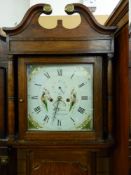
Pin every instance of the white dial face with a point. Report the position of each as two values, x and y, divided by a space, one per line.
60 97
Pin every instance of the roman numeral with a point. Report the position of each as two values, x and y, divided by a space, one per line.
46 119
34 97
72 76
81 110
81 85
73 120
37 109
59 72
38 84
58 123
84 97
47 75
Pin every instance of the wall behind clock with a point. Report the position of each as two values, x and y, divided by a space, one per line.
12 11
102 7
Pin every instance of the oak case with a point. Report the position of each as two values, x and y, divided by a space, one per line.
52 152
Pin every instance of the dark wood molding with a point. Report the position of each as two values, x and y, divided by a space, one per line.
36 10
21 38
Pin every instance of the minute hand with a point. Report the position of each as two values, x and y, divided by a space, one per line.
56 109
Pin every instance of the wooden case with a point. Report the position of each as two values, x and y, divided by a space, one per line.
29 43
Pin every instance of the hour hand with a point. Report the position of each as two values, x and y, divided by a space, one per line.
56 109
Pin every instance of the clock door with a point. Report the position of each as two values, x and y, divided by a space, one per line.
61 97
56 162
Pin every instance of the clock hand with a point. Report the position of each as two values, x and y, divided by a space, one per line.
61 90
57 105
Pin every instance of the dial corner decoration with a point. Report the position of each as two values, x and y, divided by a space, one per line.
60 97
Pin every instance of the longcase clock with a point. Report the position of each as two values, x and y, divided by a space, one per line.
60 81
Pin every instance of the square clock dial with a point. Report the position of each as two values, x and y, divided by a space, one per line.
60 97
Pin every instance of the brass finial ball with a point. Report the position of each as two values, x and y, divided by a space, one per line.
47 8
69 8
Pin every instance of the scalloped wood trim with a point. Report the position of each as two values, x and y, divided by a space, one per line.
84 11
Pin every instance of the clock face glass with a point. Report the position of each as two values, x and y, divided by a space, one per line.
60 97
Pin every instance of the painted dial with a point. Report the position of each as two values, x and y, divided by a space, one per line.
60 97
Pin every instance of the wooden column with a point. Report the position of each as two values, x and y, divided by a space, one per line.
11 98
110 96
120 160
120 18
